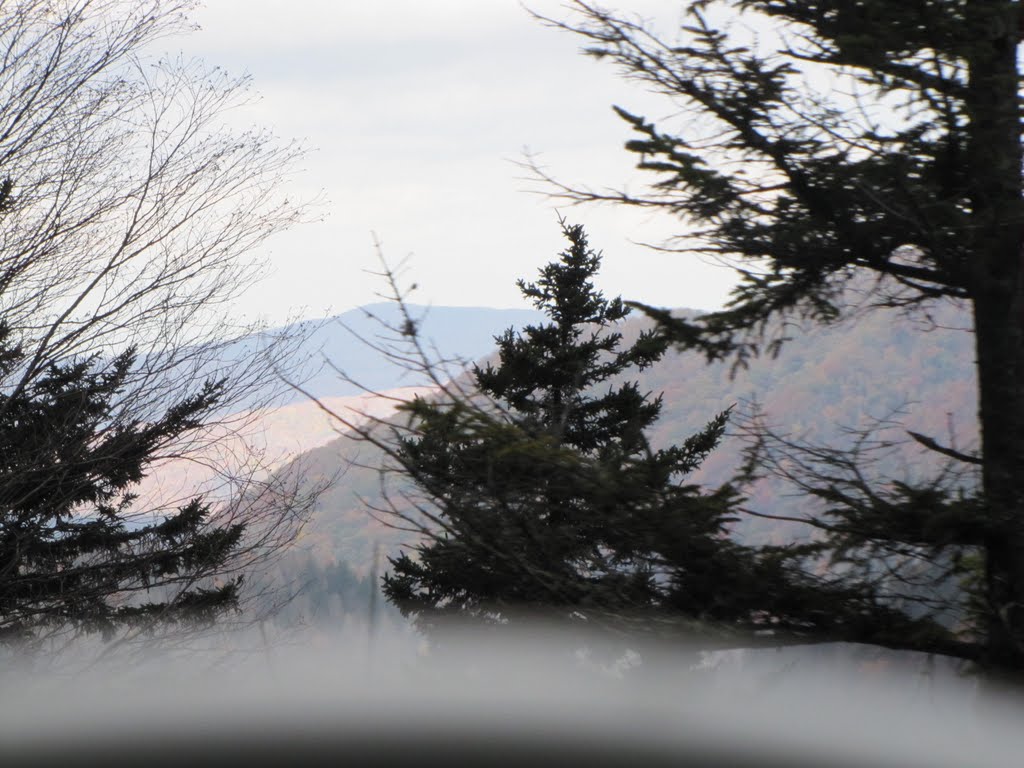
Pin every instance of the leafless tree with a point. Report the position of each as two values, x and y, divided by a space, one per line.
132 214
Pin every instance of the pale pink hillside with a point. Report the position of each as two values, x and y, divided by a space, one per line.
253 445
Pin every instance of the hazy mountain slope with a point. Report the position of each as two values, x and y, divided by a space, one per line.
258 442
454 332
825 380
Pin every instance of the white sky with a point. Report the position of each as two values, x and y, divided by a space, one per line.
417 112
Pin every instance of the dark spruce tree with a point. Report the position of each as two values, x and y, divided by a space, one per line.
71 557
75 555
539 493
909 174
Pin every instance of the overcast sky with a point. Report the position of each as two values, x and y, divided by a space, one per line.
417 114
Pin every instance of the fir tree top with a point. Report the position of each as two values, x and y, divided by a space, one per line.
545 373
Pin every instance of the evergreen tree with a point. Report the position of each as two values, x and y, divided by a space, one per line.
74 554
130 213
546 497
908 170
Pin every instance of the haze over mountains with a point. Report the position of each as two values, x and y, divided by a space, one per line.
317 351
450 332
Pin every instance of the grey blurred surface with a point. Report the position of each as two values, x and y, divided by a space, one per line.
533 700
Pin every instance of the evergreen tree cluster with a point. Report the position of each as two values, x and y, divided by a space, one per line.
903 179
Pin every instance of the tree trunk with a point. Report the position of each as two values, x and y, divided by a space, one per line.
1000 362
997 291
